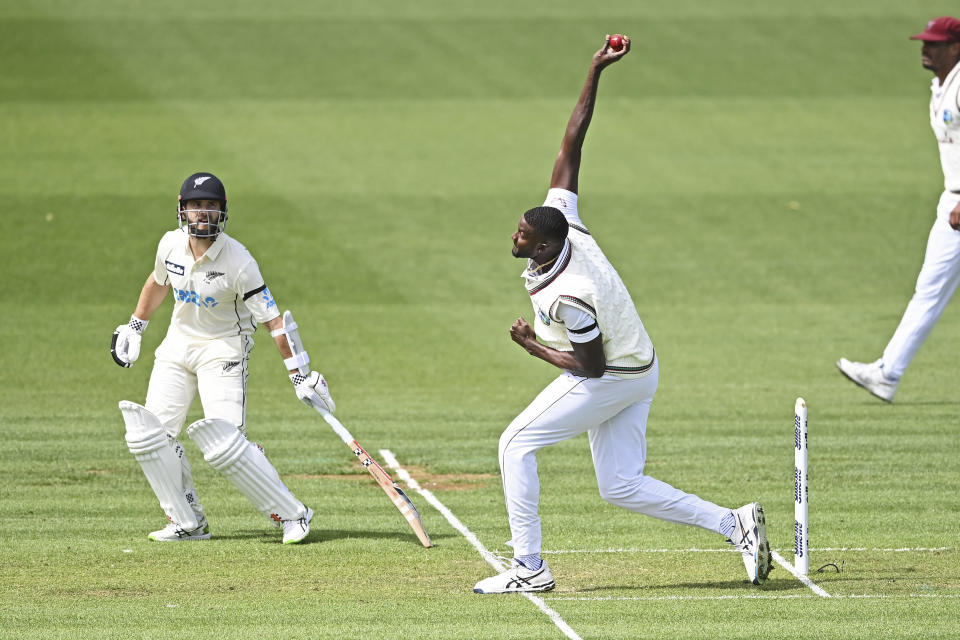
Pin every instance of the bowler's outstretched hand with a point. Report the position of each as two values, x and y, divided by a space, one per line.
608 55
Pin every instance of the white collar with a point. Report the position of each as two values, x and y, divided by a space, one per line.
532 278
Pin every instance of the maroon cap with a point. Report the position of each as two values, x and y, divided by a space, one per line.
945 29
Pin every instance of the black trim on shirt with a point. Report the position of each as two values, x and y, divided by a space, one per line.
254 292
236 312
584 330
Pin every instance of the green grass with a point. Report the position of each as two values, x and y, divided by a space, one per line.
761 173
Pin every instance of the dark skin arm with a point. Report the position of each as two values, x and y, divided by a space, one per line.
566 169
586 359
955 218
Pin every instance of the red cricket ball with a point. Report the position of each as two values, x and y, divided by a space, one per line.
616 42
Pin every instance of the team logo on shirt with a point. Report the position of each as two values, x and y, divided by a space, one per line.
210 276
544 318
947 116
173 267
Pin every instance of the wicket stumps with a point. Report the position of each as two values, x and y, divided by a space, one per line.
801 508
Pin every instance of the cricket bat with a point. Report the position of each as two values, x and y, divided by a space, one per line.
394 492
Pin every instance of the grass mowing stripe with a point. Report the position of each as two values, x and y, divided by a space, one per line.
802 578
493 560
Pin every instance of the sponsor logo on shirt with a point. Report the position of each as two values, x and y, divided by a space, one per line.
192 297
173 267
227 366
947 116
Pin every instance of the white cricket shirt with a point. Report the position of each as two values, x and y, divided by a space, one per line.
220 294
582 279
945 121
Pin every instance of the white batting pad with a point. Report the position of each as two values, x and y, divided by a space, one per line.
150 446
245 465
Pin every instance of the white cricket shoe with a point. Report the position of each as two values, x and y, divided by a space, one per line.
295 531
870 376
750 539
518 579
175 533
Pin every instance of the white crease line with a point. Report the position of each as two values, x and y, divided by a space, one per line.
732 550
659 598
868 596
491 559
890 550
799 576
635 550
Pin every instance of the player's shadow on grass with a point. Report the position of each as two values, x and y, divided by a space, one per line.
726 585
326 535
919 403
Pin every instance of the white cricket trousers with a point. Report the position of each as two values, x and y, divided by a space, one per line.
184 366
613 411
936 283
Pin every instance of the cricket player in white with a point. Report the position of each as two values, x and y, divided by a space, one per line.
940 272
587 325
219 300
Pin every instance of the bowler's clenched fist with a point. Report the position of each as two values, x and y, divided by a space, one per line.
522 332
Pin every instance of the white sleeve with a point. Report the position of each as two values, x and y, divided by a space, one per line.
256 295
566 202
160 264
581 326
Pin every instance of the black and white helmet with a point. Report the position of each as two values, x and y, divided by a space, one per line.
203 186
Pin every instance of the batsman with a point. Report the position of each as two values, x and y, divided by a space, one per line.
586 325
220 298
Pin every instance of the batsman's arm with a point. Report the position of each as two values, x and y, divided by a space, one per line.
566 168
311 387
587 358
151 297
280 340
125 343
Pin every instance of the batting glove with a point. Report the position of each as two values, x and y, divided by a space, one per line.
125 347
313 390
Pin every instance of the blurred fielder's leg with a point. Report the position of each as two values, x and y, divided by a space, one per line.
936 284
